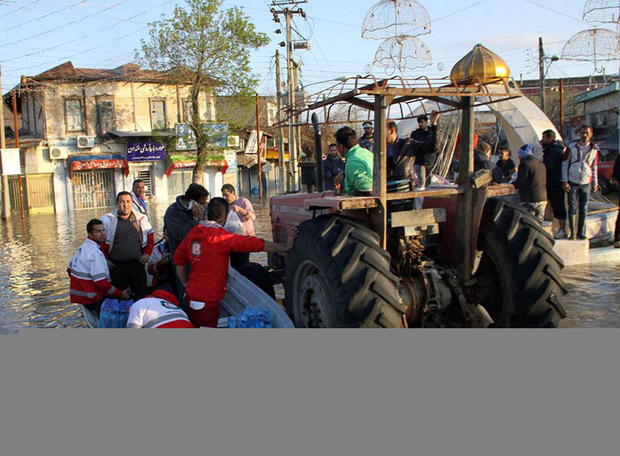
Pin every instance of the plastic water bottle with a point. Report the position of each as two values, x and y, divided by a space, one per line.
123 312
251 317
108 317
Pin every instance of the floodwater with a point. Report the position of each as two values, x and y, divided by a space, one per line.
35 252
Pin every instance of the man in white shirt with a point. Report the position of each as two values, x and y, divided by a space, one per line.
159 310
579 175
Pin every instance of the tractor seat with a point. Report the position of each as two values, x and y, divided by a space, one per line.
399 186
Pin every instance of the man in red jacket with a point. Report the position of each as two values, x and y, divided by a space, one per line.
89 273
207 248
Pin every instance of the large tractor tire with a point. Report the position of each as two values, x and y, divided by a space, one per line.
338 276
518 274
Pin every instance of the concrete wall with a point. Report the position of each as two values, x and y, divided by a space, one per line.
36 161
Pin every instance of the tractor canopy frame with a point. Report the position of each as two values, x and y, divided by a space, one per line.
395 99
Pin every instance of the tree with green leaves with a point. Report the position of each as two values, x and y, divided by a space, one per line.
208 48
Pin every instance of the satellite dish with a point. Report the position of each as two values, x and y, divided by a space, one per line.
368 69
440 66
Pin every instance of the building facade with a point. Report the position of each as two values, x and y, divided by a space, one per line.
89 133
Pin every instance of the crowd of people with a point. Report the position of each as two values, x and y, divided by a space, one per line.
202 237
189 266
563 178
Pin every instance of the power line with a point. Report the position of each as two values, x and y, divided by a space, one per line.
557 12
459 11
79 38
47 15
19 9
84 51
67 24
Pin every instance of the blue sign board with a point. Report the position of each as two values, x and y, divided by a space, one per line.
145 151
217 135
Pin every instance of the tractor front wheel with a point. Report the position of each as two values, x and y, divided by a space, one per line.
518 277
337 275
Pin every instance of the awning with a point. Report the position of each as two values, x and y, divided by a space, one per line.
176 161
108 161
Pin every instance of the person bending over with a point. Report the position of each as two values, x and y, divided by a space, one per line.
207 249
159 310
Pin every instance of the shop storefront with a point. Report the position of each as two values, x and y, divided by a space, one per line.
93 179
180 167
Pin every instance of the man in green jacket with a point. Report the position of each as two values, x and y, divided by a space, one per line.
358 165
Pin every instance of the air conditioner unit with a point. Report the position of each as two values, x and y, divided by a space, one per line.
58 153
84 142
233 141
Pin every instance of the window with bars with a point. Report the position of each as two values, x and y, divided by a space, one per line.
74 114
145 176
105 115
187 110
158 115
93 189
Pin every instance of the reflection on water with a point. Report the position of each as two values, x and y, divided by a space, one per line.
35 252
594 298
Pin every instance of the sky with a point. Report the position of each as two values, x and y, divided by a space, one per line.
36 35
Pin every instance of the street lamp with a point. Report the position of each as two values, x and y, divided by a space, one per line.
543 73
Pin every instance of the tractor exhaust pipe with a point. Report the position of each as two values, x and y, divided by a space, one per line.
318 153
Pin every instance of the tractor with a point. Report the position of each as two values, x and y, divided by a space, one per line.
471 257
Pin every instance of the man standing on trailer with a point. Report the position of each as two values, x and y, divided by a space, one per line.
579 175
426 159
367 139
553 151
531 182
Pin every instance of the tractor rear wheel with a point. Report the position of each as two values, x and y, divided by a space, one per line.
519 274
337 275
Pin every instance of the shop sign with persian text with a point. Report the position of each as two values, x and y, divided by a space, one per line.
145 151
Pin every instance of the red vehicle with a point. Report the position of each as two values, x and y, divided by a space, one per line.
469 258
606 181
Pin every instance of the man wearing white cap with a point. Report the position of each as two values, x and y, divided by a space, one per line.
532 182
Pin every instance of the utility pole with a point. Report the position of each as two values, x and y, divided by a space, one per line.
292 145
285 8
541 67
19 176
258 144
562 107
6 209
280 135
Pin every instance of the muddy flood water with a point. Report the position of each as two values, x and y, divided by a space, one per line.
35 252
